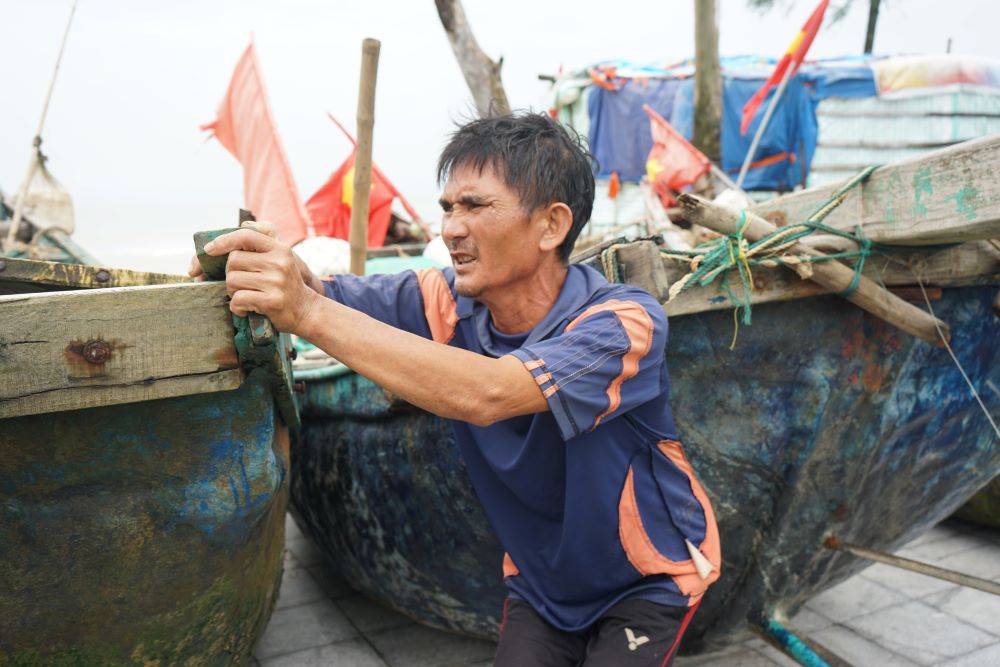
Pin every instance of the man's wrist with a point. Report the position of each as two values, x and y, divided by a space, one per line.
308 322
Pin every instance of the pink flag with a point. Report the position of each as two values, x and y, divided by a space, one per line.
245 127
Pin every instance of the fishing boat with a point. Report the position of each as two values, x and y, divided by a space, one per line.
143 482
817 421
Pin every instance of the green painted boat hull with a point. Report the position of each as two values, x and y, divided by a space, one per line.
148 533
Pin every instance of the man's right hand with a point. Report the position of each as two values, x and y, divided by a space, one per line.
267 229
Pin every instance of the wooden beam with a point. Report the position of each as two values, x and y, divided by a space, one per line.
947 196
19 276
641 265
976 263
72 350
833 275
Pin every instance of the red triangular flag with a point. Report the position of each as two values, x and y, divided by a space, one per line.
793 57
330 206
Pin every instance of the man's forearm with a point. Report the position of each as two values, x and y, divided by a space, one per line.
447 381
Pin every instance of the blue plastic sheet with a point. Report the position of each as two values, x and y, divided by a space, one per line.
619 129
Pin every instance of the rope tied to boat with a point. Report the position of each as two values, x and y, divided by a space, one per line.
717 258
612 267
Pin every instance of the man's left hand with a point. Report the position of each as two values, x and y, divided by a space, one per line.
264 276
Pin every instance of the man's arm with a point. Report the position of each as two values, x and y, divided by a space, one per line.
265 277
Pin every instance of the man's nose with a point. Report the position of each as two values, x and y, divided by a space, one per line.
453 228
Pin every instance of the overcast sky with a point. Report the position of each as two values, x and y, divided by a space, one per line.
139 76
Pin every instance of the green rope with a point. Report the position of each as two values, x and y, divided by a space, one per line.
732 251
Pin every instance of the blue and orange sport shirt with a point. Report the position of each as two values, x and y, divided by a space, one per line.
594 501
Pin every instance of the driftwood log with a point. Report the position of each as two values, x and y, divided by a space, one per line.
481 73
830 274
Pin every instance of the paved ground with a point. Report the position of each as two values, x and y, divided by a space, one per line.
883 617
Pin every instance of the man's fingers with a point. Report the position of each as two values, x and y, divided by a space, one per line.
195 270
240 260
243 239
245 280
262 226
245 301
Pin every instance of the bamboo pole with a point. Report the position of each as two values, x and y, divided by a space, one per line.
959 578
829 273
363 156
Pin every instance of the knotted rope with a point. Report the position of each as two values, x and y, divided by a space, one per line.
717 258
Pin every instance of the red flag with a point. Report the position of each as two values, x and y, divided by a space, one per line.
793 57
330 207
245 127
673 162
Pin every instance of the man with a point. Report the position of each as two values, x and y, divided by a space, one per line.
556 386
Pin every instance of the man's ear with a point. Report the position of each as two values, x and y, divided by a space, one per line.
558 219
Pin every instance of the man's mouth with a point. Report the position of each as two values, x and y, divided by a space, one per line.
461 259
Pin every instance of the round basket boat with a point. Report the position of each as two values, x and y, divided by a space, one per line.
146 533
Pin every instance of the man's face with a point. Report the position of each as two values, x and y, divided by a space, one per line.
493 241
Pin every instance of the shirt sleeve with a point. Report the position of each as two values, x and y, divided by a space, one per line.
606 362
420 302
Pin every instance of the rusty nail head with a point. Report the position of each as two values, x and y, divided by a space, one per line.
103 276
3 264
759 283
299 387
96 351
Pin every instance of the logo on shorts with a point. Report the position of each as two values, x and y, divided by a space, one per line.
633 641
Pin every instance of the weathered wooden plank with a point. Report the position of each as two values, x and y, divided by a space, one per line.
642 265
71 350
946 196
973 263
21 276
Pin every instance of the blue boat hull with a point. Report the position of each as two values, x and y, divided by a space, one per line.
145 533
823 420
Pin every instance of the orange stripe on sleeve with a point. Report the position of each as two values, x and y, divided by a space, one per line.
639 328
543 378
439 304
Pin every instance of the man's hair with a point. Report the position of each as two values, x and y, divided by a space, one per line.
534 156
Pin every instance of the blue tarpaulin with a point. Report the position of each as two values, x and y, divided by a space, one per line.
619 129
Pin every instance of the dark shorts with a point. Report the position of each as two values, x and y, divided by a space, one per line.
633 633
